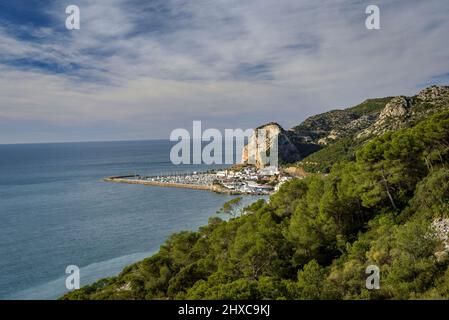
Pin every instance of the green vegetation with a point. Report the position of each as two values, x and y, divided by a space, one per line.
316 236
370 106
343 149
323 160
232 208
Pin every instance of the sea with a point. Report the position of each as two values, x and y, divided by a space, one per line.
55 211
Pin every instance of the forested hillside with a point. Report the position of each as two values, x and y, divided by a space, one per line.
370 119
383 203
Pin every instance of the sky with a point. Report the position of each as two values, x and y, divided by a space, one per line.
140 69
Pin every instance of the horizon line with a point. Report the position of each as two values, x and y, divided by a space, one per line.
95 141
81 141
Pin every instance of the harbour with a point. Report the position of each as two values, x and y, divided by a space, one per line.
240 180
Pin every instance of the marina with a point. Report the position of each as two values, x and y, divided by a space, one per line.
240 181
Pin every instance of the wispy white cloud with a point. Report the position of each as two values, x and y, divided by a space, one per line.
153 66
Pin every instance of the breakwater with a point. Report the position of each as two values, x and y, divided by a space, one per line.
245 181
132 180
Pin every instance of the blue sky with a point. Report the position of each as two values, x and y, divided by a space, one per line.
139 69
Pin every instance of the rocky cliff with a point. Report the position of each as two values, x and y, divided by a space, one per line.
371 118
291 147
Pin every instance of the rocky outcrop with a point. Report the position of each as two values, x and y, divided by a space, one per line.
393 117
264 139
270 137
433 93
403 111
297 172
397 107
440 227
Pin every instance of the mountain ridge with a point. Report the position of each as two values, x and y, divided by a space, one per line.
369 119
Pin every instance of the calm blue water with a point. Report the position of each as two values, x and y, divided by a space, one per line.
55 211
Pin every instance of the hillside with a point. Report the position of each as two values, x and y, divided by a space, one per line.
388 114
323 139
384 202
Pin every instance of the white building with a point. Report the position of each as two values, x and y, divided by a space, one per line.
269 171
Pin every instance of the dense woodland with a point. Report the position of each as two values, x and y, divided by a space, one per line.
315 237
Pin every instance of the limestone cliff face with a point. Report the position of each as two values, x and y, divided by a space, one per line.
369 119
260 143
271 137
